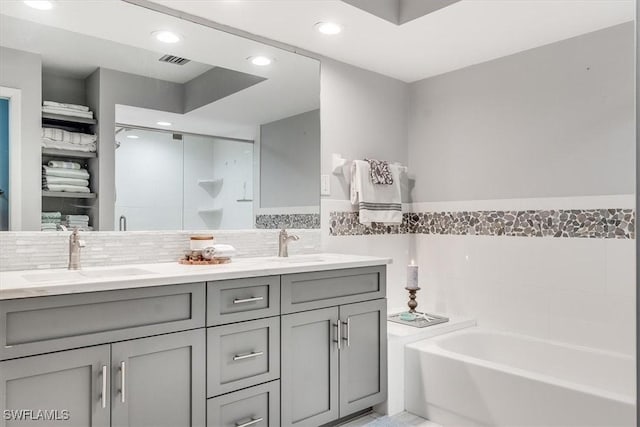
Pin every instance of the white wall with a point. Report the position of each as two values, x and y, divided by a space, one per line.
536 126
574 290
363 114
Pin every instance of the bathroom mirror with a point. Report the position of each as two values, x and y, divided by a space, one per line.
166 124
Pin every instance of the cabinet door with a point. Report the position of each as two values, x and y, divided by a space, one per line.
71 387
363 355
159 381
309 371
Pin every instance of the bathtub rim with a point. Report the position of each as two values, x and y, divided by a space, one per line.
431 345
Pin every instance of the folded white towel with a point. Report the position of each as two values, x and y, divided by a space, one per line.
65 173
61 145
224 251
76 217
64 181
376 203
55 134
51 215
64 165
68 112
66 188
63 105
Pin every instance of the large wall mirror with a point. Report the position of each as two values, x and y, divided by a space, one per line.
123 126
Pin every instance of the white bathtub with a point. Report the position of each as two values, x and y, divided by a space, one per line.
481 377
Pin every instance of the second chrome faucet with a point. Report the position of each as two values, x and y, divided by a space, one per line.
283 242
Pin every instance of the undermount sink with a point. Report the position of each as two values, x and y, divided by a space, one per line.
83 274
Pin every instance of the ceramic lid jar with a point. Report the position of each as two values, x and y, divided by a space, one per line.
197 243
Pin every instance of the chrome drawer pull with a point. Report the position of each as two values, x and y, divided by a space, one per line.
104 386
242 301
338 339
248 356
347 338
123 378
250 423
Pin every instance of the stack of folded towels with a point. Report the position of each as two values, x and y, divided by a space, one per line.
80 222
73 110
65 176
50 221
64 140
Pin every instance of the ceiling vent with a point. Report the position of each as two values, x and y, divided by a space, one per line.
171 59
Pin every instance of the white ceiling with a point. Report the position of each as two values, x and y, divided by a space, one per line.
292 85
77 55
465 33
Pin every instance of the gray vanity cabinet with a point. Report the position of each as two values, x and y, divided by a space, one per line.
76 381
334 359
363 355
309 376
159 381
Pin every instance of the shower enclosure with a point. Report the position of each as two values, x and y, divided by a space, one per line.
181 181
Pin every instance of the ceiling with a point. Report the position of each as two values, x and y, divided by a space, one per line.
462 34
119 37
77 55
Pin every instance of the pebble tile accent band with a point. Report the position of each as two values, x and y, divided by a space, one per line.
575 223
300 221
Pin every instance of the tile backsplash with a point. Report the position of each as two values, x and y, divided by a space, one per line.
40 250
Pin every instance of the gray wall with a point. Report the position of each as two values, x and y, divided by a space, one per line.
105 89
60 88
289 161
22 70
363 114
552 121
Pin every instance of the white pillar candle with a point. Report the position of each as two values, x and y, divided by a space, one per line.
412 276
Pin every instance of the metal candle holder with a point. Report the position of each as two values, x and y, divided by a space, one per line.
412 299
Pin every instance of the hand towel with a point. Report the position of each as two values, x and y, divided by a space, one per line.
376 203
64 165
380 172
66 188
65 173
65 181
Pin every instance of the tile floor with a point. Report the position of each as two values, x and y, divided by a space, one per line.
403 419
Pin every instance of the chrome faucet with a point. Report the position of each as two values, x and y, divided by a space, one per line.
283 242
75 243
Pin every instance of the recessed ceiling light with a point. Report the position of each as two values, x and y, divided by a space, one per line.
133 136
40 4
328 28
163 123
166 36
260 60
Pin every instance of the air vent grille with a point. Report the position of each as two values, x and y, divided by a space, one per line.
171 59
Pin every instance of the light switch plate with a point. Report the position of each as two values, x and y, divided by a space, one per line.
325 185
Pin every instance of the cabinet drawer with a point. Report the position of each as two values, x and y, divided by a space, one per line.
309 291
257 406
231 301
45 324
242 355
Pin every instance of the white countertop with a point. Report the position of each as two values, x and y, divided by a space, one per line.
14 284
